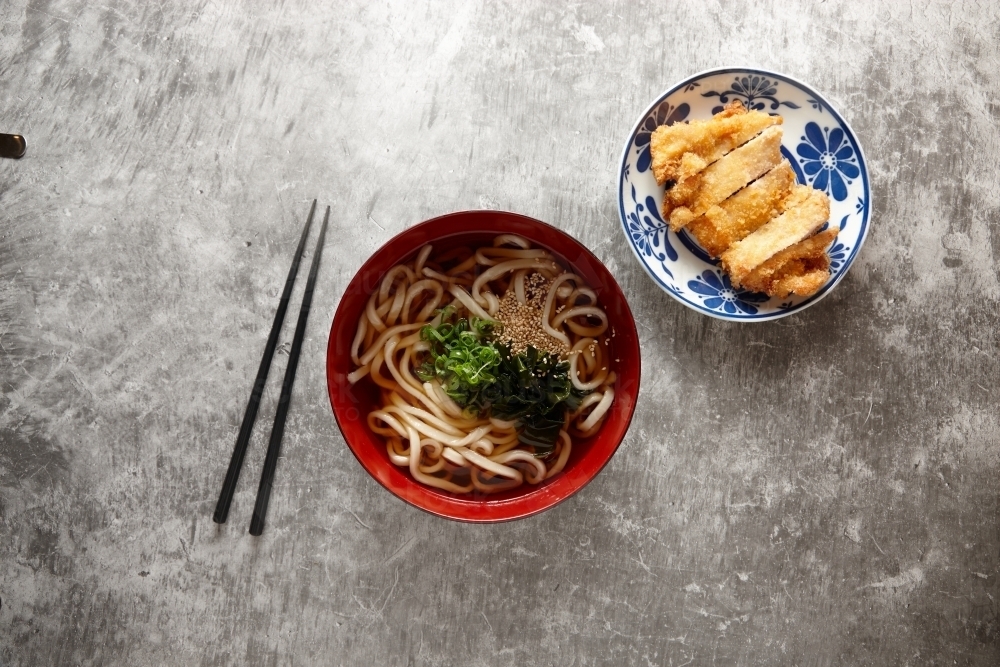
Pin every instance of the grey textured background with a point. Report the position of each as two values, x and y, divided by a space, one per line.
822 490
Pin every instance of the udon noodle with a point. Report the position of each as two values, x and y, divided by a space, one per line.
443 444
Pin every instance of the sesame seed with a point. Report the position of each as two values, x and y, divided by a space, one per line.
522 322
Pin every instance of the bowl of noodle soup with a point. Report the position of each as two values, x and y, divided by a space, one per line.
483 366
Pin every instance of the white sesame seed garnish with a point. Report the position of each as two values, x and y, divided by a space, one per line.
522 322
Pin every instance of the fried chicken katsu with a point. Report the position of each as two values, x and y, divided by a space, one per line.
681 150
801 267
735 218
693 196
807 211
727 183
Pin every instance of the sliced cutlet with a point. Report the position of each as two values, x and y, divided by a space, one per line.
691 198
735 218
681 150
806 283
800 269
806 212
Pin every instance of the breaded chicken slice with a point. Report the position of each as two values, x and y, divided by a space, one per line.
802 268
805 283
744 212
692 197
681 150
806 211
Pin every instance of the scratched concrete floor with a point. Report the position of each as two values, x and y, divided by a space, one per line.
822 490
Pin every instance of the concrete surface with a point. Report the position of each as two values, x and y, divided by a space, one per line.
822 490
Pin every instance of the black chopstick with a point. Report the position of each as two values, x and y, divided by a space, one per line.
250 416
274 446
12 145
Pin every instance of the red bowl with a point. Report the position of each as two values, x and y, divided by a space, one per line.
351 404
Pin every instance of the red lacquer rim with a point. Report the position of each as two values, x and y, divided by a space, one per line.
352 404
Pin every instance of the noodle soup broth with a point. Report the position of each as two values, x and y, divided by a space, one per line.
354 398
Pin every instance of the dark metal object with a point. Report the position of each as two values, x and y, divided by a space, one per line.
250 416
274 446
12 145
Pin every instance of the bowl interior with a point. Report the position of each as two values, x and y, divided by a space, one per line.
351 404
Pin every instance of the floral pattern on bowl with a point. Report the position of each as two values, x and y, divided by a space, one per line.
818 142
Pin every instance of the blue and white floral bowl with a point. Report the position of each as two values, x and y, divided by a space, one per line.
817 141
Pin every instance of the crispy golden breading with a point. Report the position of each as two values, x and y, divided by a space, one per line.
691 197
683 149
727 183
805 283
801 269
735 218
806 212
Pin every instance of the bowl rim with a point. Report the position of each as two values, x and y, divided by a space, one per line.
826 289
535 501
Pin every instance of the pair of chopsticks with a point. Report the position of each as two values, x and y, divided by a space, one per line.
250 416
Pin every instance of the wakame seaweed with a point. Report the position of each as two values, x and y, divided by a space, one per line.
532 388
